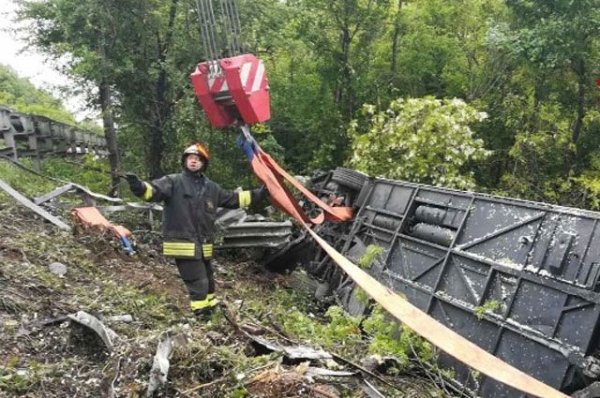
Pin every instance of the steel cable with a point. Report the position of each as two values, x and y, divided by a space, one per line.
232 24
207 28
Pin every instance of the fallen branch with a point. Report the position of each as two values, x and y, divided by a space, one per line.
220 379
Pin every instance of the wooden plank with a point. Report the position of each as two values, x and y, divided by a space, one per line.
38 200
32 206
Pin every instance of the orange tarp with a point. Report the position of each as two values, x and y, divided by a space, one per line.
90 217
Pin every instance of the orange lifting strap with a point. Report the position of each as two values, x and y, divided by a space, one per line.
273 176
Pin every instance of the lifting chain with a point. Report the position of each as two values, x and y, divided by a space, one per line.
220 40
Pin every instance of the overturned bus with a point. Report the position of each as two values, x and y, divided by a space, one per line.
533 268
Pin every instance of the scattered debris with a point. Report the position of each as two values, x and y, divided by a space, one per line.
292 352
370 390
32 206
91 218
160 364
58 269
107 335
138 297
120 318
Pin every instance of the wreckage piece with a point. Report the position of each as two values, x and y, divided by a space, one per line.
520 279
240 230
107 335
32 206
256 234
38 200
89 195
90 217
160 363
130 205
292 352
226 217
321 373
370 390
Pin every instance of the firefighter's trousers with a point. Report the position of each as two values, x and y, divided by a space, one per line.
200 282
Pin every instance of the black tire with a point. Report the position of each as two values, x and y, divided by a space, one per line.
349 178
363 194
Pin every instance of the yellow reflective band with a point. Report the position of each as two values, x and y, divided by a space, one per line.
199 304
212 299
245 198
207 249
148 192
179 249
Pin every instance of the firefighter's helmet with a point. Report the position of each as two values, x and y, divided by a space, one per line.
199 149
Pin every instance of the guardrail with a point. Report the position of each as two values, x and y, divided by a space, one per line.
26 135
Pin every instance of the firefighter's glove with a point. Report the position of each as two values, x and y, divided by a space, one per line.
135 184
261 193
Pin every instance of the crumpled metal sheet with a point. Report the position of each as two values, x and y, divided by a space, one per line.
292 352
107 335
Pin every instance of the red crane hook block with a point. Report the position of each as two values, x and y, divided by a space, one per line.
233 89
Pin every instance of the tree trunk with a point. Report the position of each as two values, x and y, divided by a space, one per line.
344 90
162 106
395 40
581 84
579 68
111 137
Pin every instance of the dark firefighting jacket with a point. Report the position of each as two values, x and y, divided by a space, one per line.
190 206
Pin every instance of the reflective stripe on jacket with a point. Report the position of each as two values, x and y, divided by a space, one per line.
191 202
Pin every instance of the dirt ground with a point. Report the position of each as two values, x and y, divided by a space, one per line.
45 354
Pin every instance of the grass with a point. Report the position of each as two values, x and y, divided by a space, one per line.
101 282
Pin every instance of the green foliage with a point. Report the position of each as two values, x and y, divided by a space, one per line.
361 296
89 171
389 337
17 381
421 140
540 159
341 333
370 254
589 184
529 64
24 182
22 96
488 306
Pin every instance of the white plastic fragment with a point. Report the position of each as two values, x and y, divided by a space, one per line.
58 269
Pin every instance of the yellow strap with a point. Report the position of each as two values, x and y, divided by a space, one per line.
439 335
200 304
245 198
179 249
148 192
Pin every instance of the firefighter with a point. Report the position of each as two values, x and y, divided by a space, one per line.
191 202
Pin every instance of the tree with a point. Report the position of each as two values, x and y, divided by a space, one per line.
418 139
22 96
90 35
558 40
